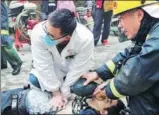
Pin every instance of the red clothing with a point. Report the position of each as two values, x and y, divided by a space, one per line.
99 3
23 1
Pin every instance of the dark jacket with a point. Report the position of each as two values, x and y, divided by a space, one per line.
135 73
4 16
5 38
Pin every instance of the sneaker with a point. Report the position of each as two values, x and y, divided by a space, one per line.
17 69
105 42
3 66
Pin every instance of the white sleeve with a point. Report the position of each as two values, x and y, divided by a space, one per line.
78 66
43 64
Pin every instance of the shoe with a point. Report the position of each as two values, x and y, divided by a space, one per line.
105 42
17 69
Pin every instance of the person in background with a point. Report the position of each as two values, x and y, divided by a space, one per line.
100 17
44 6
8 53
48 6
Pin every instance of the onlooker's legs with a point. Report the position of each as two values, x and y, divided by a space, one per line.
12 57
97 24
3 62
106 29
44 9
7 50
44 6
93 11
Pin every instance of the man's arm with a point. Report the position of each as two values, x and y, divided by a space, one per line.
78 66
110 68
138 74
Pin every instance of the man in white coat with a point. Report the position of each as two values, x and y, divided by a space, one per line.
61 50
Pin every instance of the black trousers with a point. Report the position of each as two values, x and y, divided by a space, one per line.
101 17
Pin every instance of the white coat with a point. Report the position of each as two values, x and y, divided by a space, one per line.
50 67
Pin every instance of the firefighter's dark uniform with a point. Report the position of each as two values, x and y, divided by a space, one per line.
8 53
135 72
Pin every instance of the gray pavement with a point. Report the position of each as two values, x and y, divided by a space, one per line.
101 55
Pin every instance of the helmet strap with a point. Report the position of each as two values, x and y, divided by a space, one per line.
143 1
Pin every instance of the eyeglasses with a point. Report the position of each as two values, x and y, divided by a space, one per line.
50 35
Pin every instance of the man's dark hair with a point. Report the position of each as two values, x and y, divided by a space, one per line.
118 109
63 19
115 110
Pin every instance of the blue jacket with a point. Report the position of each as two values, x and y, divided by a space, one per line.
5 38
4 16
136 75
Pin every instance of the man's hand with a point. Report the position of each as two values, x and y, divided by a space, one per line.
99 92
90 76
58 101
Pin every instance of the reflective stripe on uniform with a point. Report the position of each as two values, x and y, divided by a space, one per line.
147 36
110 64
4 32
114 90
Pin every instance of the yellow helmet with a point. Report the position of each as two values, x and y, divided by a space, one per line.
123 6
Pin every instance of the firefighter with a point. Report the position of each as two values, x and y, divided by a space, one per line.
8 53
135 72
